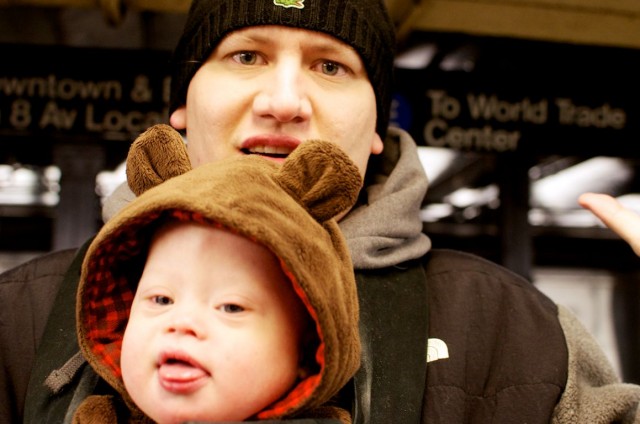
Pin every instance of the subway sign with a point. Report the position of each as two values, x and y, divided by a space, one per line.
475 94
107 93
499 95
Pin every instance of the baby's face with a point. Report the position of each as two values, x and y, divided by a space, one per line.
215 328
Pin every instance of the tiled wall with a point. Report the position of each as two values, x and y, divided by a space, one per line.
588 294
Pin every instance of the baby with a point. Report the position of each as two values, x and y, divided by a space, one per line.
224 293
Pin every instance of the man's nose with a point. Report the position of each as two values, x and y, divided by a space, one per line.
284 96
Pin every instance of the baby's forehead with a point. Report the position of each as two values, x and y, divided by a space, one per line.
184 224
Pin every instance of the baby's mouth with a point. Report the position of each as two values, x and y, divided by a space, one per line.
179 373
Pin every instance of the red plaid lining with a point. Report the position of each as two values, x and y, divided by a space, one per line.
107 300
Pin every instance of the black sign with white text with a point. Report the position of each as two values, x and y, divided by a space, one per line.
112 94
479 94
498 95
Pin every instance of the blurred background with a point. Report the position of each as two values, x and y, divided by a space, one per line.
518 107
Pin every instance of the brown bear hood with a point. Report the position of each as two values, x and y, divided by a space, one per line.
288 208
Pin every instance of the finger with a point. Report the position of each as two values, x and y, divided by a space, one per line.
623 221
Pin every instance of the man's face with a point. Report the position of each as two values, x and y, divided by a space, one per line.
266 89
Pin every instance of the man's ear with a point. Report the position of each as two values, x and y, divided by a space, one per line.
178 118
376 144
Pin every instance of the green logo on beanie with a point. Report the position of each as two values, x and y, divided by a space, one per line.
290 3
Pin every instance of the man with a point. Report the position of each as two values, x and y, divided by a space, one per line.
446 337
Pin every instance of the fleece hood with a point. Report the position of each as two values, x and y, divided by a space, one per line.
385 228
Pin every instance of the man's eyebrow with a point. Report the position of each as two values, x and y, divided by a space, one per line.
331 48
247 38
319 46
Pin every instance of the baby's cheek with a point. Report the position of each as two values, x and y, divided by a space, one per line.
130 355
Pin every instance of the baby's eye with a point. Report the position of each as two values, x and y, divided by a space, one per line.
162 300
246 58
231 308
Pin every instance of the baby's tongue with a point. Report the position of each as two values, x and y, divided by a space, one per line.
180 371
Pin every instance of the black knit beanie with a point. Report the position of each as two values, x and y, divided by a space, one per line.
363 24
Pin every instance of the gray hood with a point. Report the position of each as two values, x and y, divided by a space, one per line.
388 229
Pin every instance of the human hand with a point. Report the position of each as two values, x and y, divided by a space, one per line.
623 221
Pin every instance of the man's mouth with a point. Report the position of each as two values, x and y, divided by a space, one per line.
279 152
270 146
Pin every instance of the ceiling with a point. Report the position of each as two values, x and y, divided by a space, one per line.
597 22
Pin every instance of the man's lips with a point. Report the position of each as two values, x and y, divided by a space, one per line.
273 146
179 373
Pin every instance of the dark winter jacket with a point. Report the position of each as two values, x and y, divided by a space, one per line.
482 377
492 364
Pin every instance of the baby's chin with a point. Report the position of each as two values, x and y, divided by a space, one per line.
189 415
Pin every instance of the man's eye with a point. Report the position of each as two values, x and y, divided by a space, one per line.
246 58
231 308
331 68
162 300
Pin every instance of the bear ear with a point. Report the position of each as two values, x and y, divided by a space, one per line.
321 177
156 155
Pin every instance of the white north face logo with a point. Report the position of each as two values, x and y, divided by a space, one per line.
436 349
